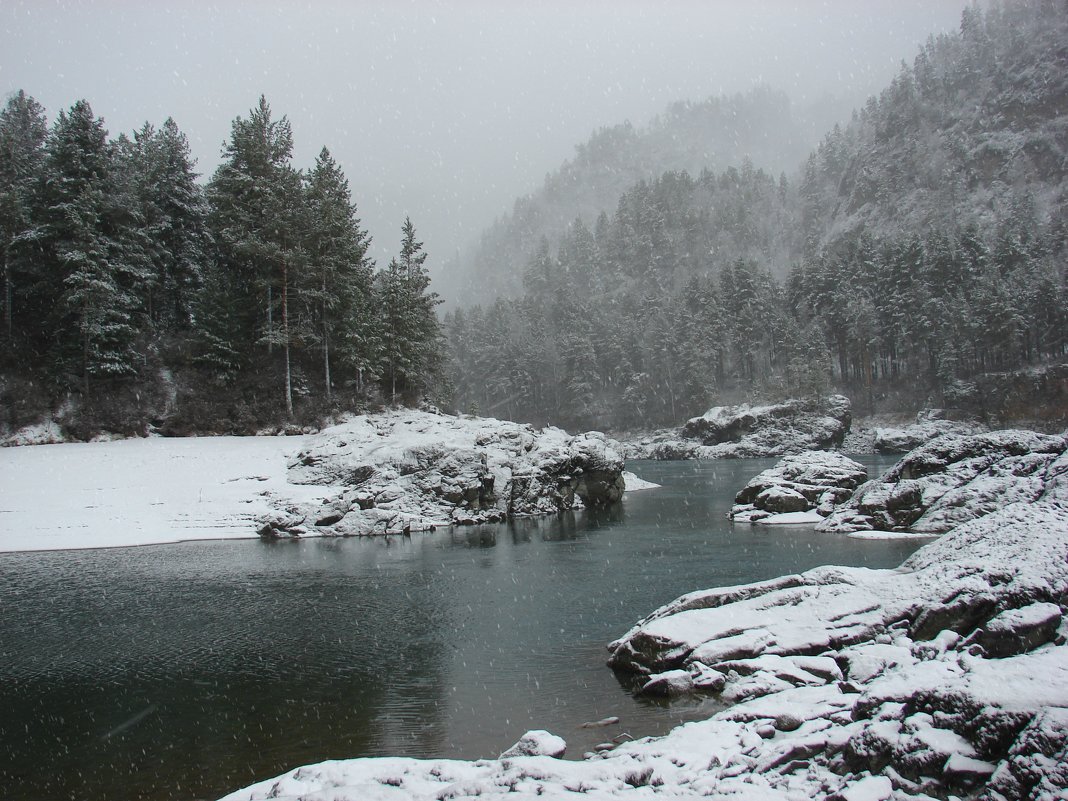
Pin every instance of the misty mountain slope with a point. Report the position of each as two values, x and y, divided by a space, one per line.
923 247
761 126
974 132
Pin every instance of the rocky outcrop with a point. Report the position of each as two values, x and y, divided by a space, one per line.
928 426
945 676
954 479
741 431
809 481
407 471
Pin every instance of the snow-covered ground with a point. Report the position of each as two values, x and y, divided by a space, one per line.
158 490
142 491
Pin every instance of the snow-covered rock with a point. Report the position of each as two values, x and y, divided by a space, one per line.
953 479
812 480
537 743
925 429
48 432
752 431
409 471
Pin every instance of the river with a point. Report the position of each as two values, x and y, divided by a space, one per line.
185 671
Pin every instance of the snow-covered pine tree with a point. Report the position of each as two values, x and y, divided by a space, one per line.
411 335
173 211
256 210
23 130
86 265
336 293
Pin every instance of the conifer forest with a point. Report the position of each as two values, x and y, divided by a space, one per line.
920 245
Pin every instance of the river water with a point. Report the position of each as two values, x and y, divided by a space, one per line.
185 671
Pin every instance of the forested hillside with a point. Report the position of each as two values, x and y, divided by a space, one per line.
919 246
131 292
761 126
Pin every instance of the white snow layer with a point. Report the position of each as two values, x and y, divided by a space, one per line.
159 490
142 491
634 484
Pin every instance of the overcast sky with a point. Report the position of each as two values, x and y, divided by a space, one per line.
444 110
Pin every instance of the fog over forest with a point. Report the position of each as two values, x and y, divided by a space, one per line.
447 111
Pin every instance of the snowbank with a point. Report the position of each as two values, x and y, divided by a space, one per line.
142 491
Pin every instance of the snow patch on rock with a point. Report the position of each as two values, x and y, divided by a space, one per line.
404 471
751 431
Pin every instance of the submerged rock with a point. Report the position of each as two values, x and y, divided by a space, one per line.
406 471
954 479
745 430
812 480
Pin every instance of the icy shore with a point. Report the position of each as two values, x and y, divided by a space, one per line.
947 676
142 491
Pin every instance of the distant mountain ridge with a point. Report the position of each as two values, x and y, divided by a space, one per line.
761 126
973 132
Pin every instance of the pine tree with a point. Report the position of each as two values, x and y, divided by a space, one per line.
257 211
88 269
173 214
337 288
23 130
411 335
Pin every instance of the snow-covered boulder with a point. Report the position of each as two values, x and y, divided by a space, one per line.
934 677
928 426
409 471
747 431
812 480
537 743
953 479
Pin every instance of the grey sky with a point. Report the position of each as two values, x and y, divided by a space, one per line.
443 110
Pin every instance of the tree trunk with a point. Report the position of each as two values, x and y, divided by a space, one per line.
7 296
270 320
326 344
285 333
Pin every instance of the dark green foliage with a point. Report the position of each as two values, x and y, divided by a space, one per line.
411 335
146 301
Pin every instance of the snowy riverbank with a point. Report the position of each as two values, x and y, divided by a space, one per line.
142 491
947 676
421 469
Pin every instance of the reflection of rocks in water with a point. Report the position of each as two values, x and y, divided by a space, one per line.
604 516
475 536
561 528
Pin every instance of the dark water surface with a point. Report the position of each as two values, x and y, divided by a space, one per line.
186 671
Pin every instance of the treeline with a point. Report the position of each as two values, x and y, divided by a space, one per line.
922 244
249 300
